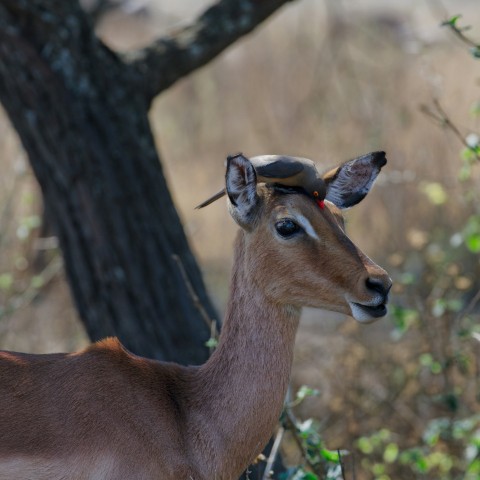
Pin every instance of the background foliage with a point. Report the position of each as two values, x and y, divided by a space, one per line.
326 80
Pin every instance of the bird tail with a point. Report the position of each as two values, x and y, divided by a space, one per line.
210 200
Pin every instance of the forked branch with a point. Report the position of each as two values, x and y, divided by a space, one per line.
440 116
460 34
176 55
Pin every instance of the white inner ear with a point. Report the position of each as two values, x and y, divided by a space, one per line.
355 178
238 184
341 186
242 187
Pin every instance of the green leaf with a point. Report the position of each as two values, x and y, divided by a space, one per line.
6 281
306 428
403 319
211 343
454 305
37 281
378 469
475 109
305 391
299 474
471 234
391 453
308 476
465 172
435 192
475 51
365 445
330 455
410 456
451 22
468 155
474 468
407 278
32 221
472 241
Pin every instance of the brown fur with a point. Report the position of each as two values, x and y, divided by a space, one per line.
104 413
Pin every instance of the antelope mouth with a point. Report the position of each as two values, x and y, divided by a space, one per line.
367 313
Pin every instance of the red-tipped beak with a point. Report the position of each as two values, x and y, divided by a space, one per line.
321 204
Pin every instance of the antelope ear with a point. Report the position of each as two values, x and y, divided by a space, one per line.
349 183
241 186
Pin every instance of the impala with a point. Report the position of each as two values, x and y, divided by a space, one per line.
104 413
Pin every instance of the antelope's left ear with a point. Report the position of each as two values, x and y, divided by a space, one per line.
349 183
241 186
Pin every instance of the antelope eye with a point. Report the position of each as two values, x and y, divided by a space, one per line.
286 227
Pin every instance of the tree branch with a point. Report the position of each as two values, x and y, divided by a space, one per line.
439 115
100 8
174 56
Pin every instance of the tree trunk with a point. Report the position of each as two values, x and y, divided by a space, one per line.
83 122
81 112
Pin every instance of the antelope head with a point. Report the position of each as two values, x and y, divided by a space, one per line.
299 254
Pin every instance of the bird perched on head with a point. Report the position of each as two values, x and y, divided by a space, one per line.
302 173
284 170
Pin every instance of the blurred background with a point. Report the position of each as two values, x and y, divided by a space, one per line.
327 80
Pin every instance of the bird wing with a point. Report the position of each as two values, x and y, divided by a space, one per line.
278 166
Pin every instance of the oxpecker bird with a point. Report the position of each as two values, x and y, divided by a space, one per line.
302 173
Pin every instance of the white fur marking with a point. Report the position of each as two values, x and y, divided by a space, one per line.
361 315
306 225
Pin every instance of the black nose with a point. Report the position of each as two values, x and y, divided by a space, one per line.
379 286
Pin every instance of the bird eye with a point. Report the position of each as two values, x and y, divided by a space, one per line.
286 227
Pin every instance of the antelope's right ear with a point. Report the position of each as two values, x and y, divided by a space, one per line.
350 182
241 186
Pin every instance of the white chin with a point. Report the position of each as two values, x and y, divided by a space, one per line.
361 315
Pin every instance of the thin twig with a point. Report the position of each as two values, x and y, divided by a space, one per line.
459 33
290 419
468 309
354 472
342 465
211 324
440 116
273 453
8 203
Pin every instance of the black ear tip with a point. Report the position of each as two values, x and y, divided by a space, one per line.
379 159
236 155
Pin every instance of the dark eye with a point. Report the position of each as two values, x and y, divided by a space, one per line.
286 227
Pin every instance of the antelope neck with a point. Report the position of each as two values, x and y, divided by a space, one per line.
247 375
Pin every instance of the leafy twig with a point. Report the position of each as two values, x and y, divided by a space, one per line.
439 115
292 426
458 31
342 464
211 324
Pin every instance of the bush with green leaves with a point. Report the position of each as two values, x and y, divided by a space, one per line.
436 315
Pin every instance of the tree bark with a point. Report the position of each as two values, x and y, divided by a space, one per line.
81 113
83 122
